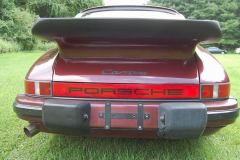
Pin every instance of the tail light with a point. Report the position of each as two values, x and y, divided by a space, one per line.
86 90
131 91
215 91
39 88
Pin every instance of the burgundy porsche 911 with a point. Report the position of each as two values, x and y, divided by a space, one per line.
127 71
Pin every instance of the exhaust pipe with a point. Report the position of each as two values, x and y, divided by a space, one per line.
30 131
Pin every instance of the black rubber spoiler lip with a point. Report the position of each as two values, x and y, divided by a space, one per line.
204 31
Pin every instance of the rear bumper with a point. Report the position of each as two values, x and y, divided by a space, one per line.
213 116
124 116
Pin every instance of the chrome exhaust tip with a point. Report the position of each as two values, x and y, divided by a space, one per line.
30 131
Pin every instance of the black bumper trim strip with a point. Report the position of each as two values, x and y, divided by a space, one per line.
213 116
140 117
27 110
222 115
107 115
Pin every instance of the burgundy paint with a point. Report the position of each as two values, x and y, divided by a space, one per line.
210 70
159 71
126 48
42 69
131 107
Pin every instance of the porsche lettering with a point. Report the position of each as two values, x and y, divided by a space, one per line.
125 91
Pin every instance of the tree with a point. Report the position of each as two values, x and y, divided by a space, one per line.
15 25
17 17
227 12
60 8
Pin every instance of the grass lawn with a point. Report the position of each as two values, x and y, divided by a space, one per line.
15 145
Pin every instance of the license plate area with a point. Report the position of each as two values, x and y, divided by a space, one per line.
124 115
139 116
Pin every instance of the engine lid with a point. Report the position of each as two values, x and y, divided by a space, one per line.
126 71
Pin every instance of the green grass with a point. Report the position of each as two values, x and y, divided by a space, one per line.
15 145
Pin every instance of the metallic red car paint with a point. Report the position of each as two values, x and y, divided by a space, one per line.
170 71
210 70
159 71
211 105
127 48
130 107
43 68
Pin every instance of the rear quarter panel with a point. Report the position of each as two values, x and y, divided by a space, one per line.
210 70
43 68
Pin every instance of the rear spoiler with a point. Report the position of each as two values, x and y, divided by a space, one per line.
204 31
109 32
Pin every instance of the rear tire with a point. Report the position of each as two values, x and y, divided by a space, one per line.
222 52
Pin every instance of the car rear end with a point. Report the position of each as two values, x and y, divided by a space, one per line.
142 87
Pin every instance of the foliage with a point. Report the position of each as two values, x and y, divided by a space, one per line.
17 18
8 46
60 8
227 12
17 28
16 24
44 46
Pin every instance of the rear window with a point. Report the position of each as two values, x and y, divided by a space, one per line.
131 14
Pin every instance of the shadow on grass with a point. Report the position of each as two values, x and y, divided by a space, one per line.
70 147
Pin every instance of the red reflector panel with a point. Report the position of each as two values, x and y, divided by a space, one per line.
86 90
223 90
207 91
29 87
191 91
44 88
